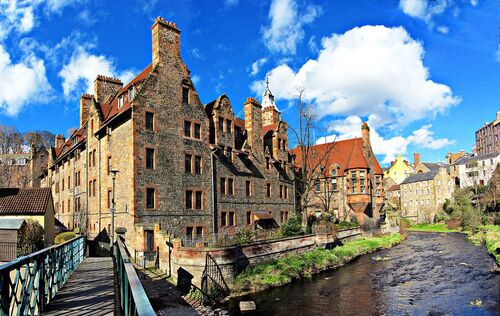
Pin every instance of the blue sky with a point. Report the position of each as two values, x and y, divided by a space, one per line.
424 74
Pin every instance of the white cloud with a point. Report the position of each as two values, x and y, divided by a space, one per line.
79 74
390 147
22 83
231 3
196 53
257 65
369 69
195 79
58 5
286 25
443 29
423 9
27 20
473 3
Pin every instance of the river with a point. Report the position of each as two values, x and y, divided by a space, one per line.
427 274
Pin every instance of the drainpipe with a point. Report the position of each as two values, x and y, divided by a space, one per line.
99 182
214 194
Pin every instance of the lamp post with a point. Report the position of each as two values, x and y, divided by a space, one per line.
112 209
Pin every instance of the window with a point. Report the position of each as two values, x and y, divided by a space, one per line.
286 192
221 124
185 95
197 164
131 93
150 198
223 220
109 166
187 163
232 219
222 185
229 153
94 186
228 126
197 131
334 184
230 186
377 192
63 188
198 200
281 191
362 189
93 157
69 182
248 188
248 218
317 185
149 121
189 232
279 143
109 198
362 174
187 129
268 163
150 158
120 102
199 231
268 190
189 199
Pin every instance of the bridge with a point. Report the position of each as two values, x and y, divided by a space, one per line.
60 280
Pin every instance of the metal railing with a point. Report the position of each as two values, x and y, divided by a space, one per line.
225 239
29 283
212 280
133 298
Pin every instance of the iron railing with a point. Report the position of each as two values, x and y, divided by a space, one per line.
29 283
133 298
212 280
224 239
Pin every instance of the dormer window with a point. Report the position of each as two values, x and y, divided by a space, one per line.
185 95
131 93
120 102
221 124
22 161
228 126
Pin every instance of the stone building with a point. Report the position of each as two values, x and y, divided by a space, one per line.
180 167
23 170
473 170
346 177
488 137
423 193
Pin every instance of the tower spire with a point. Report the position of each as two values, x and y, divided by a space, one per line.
268 97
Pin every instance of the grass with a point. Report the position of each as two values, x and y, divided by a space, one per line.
435 228
490 235
285 270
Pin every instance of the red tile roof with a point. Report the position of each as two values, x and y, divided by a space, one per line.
240 123
111 109
68 144
24 201
348 154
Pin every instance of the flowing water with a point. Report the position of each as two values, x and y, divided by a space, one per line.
427 274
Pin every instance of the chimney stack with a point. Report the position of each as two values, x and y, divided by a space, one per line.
166 41
59 140
365 134
85 101
416 159
253 124
106 87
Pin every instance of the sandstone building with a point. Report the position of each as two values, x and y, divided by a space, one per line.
488 137
191 170
472 170
347 178
23 170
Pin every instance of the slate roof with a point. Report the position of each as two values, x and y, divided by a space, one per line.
11 223
435 165
348 154
417 177
24 201
466 159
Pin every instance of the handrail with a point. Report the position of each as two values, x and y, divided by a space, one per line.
29 283
133 298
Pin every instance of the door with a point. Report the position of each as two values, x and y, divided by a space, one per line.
150 243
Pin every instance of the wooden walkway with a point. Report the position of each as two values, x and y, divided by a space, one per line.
89 291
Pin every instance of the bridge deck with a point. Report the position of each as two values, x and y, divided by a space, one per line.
89 291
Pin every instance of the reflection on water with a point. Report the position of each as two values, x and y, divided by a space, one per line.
428 274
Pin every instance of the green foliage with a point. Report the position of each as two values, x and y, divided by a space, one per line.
441 217
30 238
63 237
292 227
437 228
346 225
462 208
284 270
447 207
244 235
490 235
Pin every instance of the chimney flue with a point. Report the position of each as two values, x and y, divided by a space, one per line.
416 159
166 40
59 141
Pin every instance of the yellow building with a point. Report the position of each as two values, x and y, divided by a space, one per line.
399 170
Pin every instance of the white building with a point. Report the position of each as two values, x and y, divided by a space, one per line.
476 170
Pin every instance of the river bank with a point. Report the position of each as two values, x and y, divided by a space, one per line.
487 234
297 266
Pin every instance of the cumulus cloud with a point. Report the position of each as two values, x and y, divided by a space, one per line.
389 147
22 83
443 29
423 9
79 74
369 69
195 79
286 28
257 65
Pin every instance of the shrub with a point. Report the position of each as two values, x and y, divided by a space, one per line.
63 237
292 227
244 235
30 239
346 225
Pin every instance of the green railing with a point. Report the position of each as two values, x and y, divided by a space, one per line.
29 283
133 298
